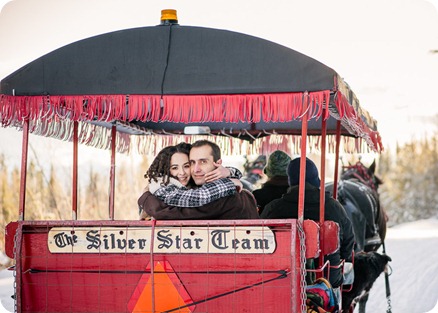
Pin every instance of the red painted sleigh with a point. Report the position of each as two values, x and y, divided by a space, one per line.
129 90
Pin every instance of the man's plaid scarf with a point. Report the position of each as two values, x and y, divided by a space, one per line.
175 194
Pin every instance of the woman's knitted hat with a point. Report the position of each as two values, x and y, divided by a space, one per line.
293 173
277 164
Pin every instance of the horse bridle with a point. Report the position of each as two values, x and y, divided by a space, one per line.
360 172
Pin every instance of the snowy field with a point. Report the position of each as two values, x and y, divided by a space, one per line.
6 290
413 248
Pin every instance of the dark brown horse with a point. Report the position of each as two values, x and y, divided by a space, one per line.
358 193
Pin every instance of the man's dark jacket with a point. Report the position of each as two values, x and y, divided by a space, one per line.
273 189
287 207
242 205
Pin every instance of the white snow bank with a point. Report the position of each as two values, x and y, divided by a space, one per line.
6 290
418 229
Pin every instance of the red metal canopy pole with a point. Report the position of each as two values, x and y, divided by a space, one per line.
338 144
322 186
303 153
323 158
24 154
112 172
21 211
74 192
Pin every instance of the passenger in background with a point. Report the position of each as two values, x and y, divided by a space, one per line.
277 184
287 207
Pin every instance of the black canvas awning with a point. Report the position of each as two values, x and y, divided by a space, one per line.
168 77
175 60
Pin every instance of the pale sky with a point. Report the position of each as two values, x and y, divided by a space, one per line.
380 47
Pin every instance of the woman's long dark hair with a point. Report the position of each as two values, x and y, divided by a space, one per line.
160 167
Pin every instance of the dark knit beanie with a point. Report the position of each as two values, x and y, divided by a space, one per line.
293 173
277 164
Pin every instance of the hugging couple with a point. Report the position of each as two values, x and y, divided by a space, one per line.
188 181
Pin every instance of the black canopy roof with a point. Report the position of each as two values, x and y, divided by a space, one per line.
183 72
172 61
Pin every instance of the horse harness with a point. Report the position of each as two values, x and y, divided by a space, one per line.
359 172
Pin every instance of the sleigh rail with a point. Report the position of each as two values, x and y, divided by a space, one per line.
214 266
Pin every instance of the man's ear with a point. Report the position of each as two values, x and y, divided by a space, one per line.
219 161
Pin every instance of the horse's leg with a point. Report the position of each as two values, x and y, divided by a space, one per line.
363 302
358 222
381 222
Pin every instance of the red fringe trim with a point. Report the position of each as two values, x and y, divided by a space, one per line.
100 137
280 107
151 145
88 134
354 123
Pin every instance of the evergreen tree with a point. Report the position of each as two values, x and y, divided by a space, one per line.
8 200
410 174
95 205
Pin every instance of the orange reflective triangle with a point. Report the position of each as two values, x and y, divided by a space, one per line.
169 292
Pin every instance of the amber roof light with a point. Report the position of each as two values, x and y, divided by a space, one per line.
168 17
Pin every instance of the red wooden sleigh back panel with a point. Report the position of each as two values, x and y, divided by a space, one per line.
107 266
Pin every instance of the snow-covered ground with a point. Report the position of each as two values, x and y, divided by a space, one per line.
413 248
6 290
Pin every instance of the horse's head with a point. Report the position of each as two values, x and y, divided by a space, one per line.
364 174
